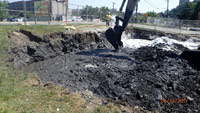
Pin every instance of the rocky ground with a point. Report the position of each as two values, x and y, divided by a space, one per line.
143 76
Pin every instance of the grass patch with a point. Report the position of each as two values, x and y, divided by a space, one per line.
21 93
27 94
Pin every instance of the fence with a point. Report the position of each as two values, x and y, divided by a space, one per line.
49 12
169 25
174 23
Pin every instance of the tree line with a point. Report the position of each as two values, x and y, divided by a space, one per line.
4 12
95 12
187 11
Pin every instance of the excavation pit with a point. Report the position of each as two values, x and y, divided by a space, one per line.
144 73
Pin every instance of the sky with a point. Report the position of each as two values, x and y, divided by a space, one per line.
143 7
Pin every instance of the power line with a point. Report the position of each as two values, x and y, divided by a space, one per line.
159 5
151 4
76 4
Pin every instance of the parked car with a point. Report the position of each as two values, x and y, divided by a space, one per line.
18 20
77 19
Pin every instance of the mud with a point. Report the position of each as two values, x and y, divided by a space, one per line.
141 77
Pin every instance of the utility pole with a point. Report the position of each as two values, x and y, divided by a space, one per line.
101 15
114 7
24 12
87 13
167 8
49 11
66 11
136 13
78 11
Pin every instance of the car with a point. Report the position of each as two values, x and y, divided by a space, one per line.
77 19
18 20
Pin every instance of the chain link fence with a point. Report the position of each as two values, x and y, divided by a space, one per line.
174 23
49 12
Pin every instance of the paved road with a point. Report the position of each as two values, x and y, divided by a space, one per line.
164 29
51 23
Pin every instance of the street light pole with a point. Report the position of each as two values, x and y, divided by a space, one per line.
167 8
24 12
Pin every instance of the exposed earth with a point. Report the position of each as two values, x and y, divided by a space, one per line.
141 75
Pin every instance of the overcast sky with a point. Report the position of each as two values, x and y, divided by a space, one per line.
144 5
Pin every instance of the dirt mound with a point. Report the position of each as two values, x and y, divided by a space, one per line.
145 77
152 34
28 48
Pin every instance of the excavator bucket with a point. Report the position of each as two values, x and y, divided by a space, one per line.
192 56
112 37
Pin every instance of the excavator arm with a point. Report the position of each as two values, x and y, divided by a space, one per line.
113 35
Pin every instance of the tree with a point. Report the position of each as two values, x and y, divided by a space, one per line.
161 14
96 12
184 11
3 10
152 14
196 11
104 12
21 14
141 18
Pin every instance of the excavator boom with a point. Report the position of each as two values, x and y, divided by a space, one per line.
113 35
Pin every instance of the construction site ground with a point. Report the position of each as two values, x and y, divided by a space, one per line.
148 72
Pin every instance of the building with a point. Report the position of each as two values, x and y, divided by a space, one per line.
17 7
40 9
58 10
183 1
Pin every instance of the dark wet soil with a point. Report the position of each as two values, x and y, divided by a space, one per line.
142 77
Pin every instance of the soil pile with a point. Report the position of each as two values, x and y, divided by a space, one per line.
29 48
142 77
152 34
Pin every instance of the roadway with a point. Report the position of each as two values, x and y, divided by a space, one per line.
158 28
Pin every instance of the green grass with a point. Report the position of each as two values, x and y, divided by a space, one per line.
20 93
24 94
